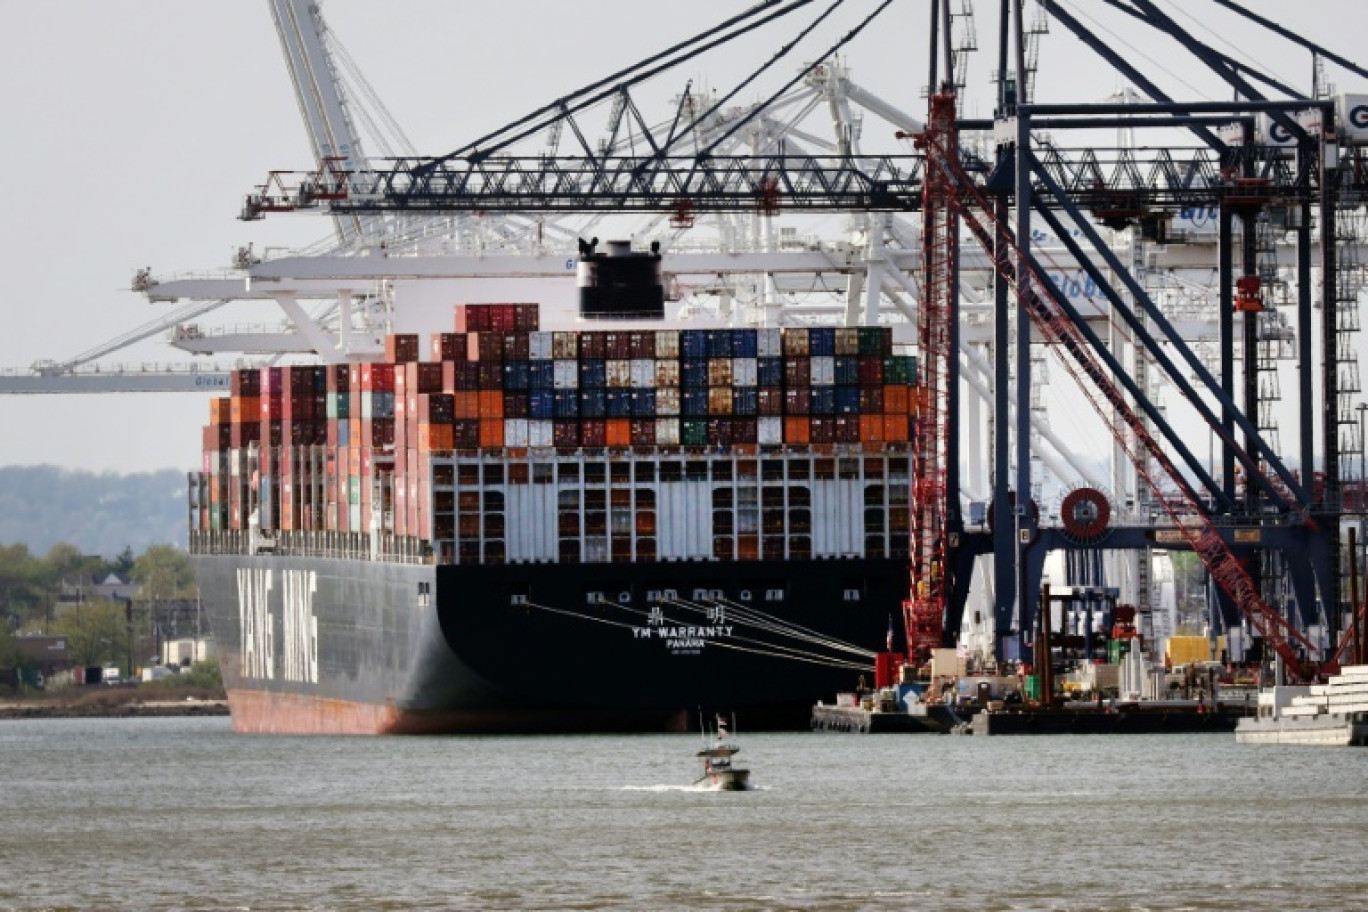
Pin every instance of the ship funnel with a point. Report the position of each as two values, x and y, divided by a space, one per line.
619 283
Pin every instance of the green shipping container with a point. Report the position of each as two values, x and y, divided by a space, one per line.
693 432
1116 650
353 489
1033 687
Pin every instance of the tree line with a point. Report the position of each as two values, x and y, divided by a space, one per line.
56 594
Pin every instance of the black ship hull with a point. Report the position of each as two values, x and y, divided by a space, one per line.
318 645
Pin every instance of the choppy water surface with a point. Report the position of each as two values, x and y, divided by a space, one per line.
167 814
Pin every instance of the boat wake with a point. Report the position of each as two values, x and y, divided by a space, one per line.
697 787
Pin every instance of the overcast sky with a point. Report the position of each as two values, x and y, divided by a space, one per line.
135 127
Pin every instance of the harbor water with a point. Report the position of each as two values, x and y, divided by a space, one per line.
170 814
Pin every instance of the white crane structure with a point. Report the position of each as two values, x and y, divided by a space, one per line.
400 272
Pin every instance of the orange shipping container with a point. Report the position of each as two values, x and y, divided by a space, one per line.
434 437
895 428
221 410
796 430
491 433
871 428
895 399
491 405
619 432
466 405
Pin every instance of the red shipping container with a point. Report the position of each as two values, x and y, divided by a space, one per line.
871 370
245 382
642 344
593 432
472 318
745 431
436 408
565 434
490 375
491 433
797 430
449 347
465 433
515 405
871 400
271 379
528 317
770 401
797 372
339 378
619 432
272 433
272 407
401 348
847 429
516 346
428 378
220 436
720 432
593 345
485 346
460 375
643 431
797 401
822 429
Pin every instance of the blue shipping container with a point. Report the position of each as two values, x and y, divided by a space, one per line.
694 402
566 404
745 402
593 374
719 343
693 372
822 341
823 400
693 343
593 403
847 400
619 403
847 370
541 404
743 344
643 403
769 372
541 375
517 375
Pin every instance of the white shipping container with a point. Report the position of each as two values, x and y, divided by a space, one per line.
539 433
667 373
769 342
619 373
565 374
515 432
667 429
667 343
667 401
643 373
366 410
771 430
234 462
823 370
530 529
744 372
539 345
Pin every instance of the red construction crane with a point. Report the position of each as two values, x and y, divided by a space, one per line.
924 610
951 193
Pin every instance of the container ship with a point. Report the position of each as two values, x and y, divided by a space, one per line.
505 528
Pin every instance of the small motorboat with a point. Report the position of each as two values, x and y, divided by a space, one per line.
718 772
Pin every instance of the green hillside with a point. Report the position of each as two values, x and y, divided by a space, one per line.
99 513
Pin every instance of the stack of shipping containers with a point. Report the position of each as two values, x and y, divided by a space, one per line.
350 448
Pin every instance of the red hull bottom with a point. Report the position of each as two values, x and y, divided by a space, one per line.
263 713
